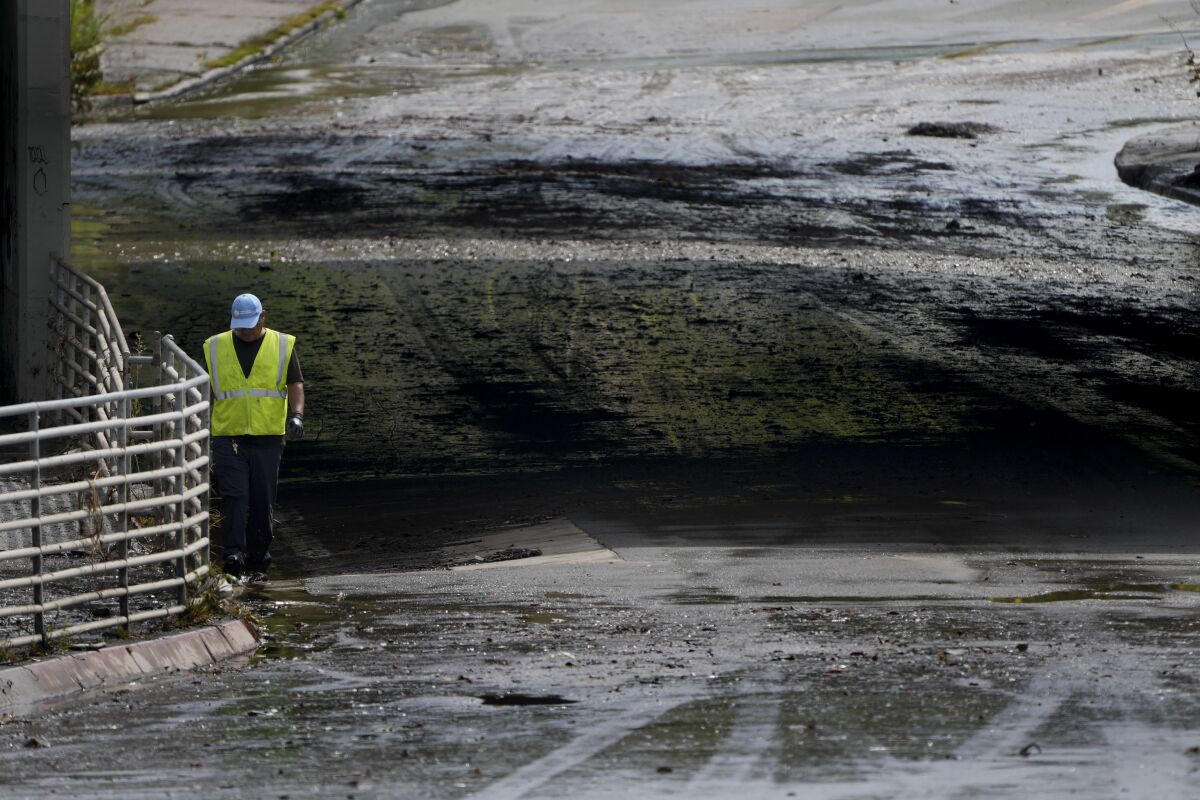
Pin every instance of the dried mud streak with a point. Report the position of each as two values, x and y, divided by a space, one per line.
358 186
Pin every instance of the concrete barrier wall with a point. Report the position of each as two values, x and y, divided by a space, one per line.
35 218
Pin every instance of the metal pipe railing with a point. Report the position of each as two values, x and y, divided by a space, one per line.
108 466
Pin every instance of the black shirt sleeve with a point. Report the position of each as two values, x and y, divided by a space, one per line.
294 375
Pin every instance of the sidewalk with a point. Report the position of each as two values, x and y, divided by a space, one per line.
156 49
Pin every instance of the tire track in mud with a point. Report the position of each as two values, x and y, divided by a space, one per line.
1059 711
1029 732
1034 381
533 776
502 394
745 755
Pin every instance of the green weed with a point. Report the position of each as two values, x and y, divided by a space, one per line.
210 600
87 43
261 42
132 25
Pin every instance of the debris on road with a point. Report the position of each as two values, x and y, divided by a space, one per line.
952 130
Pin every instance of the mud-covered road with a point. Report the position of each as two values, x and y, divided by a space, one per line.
518 240
831 320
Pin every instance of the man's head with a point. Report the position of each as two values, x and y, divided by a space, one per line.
248 317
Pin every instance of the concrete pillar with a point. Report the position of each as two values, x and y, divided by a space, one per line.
35 218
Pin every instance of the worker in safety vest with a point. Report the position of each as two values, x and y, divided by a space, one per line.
257 402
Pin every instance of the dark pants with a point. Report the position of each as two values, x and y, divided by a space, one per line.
248 479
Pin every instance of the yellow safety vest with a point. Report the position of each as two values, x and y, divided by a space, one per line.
253 406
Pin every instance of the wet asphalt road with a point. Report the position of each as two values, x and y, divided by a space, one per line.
787 646
835 395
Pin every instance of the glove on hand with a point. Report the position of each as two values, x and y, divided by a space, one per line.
295 427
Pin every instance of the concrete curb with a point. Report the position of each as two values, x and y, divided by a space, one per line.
1164 162
213 75
32 684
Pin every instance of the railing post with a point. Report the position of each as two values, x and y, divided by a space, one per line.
206 452
35 513
181 515
185 430
88 343
123 499
71 281
156 404
87 340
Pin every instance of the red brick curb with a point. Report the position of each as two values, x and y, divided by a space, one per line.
42 681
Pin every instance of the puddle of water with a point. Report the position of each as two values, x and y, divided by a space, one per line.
987 47
699 597
1059 180
1110 592
545 618
299 623
514 699
1139 122
846 499
1103 41
753 552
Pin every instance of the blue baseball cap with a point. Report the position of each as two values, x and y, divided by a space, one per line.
246 310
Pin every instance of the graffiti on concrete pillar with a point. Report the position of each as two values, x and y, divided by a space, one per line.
38 156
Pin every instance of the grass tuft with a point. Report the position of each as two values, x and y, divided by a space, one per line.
211 600
105 89
132 25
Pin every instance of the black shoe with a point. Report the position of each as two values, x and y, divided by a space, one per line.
234 565
256 577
